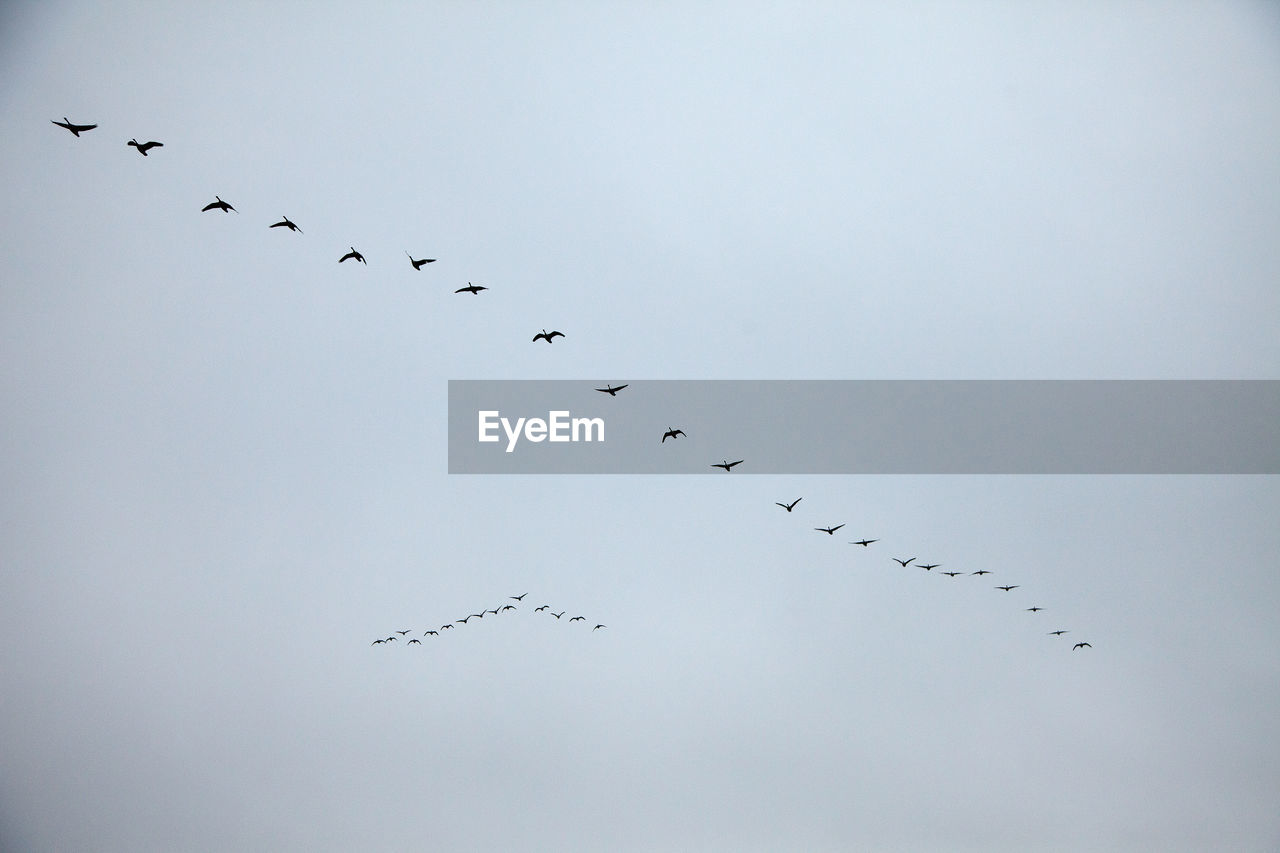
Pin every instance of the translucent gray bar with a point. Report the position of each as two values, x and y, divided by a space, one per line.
870 427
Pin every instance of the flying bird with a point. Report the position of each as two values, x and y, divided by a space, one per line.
598 627
1058 633
1034 609
402 633
671 433
790 506
540 609
980 572
1007 588
928 567
417 265
726 464
494 611
519 597
443 627
471 288
74 128
392 639
432 633
376 642
353 254
547 336
864 542
415 640
144 147
558 615
286 223
576 618
217 205
902 563
950 574
1081 646
830 531
464 621
610 390
509 607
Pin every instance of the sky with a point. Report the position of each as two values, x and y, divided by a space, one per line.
225 454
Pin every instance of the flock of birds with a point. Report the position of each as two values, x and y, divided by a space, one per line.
549 337
495 611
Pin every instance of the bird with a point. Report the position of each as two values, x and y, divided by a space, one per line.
509 607
1034 609
431 633
1058 633
471 288
494 611
285 222
219 205
928 567
417 265
864 542
402 633
610 390
376 642
445 627
576 618
540 609
144 147
415 640
598 627
463 621
74 128
830 531
353 254
547 336
950 574
519 597
1081 646
558 615
1007 588
980 572
671 433
726 464
902 563
392 639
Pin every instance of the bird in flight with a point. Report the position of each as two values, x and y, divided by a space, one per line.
671 433
902 563
980 572
376 642
217 205
285 222
509 607
431 633
444 627
864 542
1058 633
547 336
576 618
74 128
1034 609
610 390
790 506
1007 588
950 574
464 621
144 147
540 609
471 288
417 265
726 464
928 567
415 640
830 531
598 627
402 633
519 597
353 254
1081 646
558 615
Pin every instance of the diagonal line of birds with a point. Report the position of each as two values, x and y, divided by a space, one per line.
505 607
218 204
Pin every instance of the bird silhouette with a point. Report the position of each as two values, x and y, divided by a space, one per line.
519 597
950 574
980 572
509 607
928 567
217 205
286 223
415 640
446 627
417 265
558 615
576 618
432 633
790 506
1007 588
540 609
376 642
402 633
671 433
610 390
1058 633
830 531
902 563
144 147
74 128
463 621
471 288
598 627
547 336
864 542
1034 609
392 639
494 611
353 254
726 464
1081 646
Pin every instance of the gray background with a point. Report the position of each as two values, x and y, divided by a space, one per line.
225 455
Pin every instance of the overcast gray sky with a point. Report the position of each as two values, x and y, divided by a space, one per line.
224 453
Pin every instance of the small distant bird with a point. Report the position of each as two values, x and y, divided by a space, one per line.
864 542
144 147
509 607
547 336
790 506
494 611
558 615
471 288
902 563
610 390
950 574
1081 646
446 627
464 621
432 633
1058 633
519 597
671 433
726 464
415 640
980 572
830 531
217 205
75 128
576 618
353 254
1007 588
286 223
402 633
540 609
392 639
376 642
417 265
1034 609
928 567
598 627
